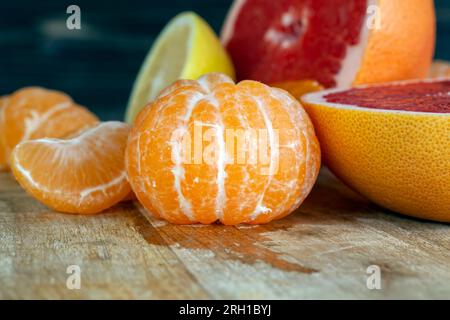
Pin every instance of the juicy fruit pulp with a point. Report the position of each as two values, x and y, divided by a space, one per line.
32 113
398 159
421 97
220 185
294 39
186 49
85 174
339 43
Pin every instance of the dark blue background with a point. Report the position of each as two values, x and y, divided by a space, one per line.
98 64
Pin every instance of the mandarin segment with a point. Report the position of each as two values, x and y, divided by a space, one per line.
33 113
211 150
84 174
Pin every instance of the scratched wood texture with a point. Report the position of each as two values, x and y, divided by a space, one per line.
321 251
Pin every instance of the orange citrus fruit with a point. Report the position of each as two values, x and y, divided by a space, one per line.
210 150
84 174
130 197
32 113
390 142
339 43
298 88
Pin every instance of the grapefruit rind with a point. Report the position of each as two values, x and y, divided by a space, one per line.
380 40
398 159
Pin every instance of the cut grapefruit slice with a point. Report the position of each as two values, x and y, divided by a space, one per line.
390 142
338 43
85 174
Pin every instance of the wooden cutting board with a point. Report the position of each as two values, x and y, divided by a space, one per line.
321 251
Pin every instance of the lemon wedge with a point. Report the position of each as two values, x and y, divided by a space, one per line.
186 49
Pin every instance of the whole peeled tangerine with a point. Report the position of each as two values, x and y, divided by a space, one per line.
211 150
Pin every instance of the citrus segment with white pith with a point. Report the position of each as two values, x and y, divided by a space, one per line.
84 174
32 113
210 150
390 142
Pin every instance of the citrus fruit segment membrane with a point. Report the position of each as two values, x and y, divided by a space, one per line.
85 174
421 97
34 112
183 156
272 41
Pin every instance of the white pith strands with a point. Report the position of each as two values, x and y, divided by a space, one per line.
288 104
221 197
147 185
71 142
295 118
307 133
273 153
178 170
36 120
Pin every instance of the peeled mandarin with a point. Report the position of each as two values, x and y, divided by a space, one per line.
211 150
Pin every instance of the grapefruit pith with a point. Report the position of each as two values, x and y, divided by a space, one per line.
338 43
390 142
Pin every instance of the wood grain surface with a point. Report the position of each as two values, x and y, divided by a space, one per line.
320 251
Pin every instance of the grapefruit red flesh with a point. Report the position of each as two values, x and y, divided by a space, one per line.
339 43
420 97
292 39
396 155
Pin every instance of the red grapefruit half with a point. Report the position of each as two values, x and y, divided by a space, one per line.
338 43
390 142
